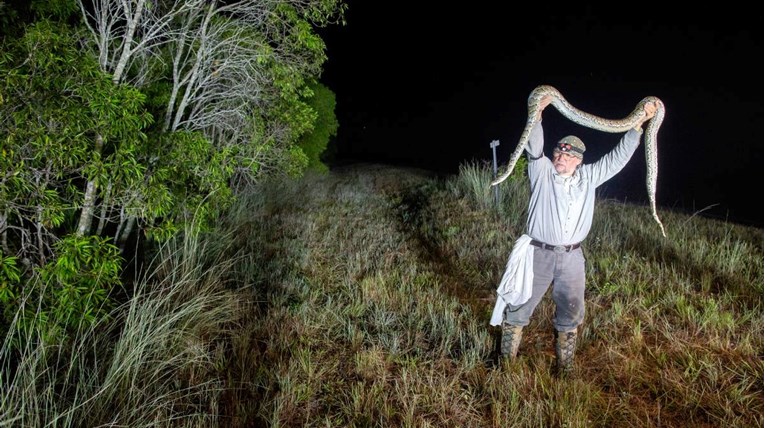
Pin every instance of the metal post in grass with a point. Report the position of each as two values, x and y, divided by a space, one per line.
493 146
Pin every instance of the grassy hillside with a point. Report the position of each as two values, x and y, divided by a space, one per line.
362 298
377 285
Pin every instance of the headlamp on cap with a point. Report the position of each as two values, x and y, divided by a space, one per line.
565 148
571 145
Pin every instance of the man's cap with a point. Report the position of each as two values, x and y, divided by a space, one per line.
571 145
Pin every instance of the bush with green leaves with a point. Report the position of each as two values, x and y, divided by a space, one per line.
62 296
67 132
315 142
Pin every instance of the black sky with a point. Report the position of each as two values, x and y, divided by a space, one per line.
428 85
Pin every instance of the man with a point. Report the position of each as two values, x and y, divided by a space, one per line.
559 219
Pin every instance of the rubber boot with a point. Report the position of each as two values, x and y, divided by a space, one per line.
565 347
511 340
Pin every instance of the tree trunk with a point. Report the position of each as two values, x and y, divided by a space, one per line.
178 79
104 209
194 72
88 205
127 43
126 231
89 201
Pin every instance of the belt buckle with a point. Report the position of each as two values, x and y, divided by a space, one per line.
559 249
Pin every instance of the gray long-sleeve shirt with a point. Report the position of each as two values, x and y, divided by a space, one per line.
561 208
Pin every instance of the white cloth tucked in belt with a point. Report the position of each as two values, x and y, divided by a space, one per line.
515 286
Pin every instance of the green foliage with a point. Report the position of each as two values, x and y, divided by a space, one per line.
10 280
289 110
59 9
78 147
189 182
520 170
80 279
294 103
75 142
68 293
65 123
314 143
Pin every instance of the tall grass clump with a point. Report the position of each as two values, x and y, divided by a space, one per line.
155 361
508 199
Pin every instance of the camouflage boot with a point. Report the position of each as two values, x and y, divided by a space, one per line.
511 340
565 346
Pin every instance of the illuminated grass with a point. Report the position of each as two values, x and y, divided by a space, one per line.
363 299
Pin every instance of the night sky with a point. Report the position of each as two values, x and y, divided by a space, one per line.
431 87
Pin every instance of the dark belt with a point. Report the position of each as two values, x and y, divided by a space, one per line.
556 248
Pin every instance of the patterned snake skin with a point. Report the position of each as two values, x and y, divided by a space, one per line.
595 122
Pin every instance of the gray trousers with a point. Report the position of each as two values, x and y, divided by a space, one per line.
566 273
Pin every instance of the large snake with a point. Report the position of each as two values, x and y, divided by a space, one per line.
601 124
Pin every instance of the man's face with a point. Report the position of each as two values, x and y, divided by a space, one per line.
564 163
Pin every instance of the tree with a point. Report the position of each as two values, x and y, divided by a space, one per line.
84 165
233 71
64 124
